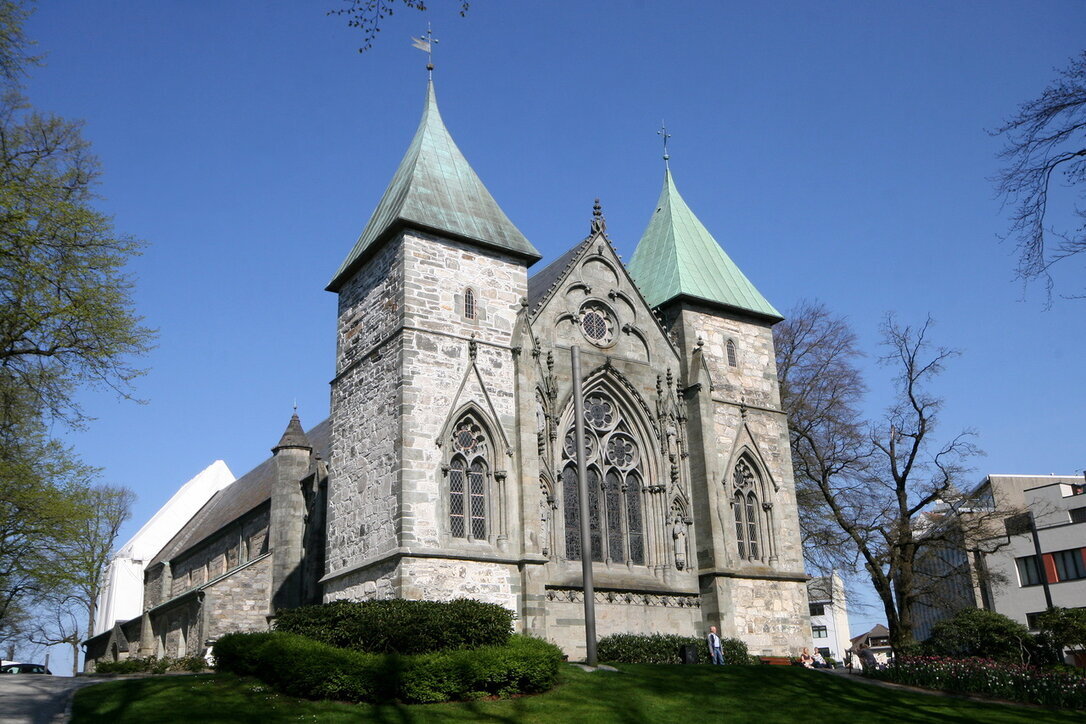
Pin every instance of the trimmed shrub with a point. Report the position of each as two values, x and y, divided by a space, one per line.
401 627
301 667
151 665
664 649
980 633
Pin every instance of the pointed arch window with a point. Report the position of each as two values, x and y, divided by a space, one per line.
615 485
470 306
469 476
733 361
745 507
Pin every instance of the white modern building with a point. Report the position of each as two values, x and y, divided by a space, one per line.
829 617
122 590
1044 562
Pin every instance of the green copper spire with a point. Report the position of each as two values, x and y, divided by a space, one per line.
435 190
678 257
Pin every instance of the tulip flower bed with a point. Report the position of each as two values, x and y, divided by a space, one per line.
985 677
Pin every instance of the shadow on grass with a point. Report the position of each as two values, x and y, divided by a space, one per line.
639 694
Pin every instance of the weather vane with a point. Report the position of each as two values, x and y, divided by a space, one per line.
426 46
663 133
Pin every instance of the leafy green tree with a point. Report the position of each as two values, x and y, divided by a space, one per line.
67 321
1063 628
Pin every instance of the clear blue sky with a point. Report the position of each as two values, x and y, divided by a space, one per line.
838 151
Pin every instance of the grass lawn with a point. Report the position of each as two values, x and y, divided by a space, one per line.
638 693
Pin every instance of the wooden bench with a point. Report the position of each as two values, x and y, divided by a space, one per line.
776 660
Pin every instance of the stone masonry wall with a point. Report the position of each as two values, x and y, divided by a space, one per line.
438 380
239 602
761 601
363 487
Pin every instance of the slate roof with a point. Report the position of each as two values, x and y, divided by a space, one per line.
678 257
293 436
436 190
540 283
235 500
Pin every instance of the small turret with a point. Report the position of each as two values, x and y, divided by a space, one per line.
292 460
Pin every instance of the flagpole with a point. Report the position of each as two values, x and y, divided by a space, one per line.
582 506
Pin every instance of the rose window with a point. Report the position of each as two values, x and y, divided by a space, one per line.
597 324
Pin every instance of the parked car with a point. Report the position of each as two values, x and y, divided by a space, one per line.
24 669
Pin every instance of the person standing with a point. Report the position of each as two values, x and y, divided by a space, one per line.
716 653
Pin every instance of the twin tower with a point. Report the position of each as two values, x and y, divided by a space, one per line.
452 468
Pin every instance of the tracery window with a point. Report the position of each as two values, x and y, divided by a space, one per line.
615 480
745 507
469 473
470 310
732 360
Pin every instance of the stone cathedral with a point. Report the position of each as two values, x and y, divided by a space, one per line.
447 467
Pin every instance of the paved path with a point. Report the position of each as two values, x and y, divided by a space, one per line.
39 699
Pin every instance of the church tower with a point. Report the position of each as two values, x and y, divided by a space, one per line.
423 415
748 551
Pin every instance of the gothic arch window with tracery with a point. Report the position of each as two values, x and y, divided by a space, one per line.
469 476
746 509
733 361
616 477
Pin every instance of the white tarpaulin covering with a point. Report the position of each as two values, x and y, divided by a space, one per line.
122 590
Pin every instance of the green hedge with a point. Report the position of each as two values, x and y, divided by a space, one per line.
301 667
664 649
150 665
401 627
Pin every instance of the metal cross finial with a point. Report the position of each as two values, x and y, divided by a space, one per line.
663 133
427 46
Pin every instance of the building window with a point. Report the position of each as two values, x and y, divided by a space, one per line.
469 474
597 324
818 609
1069 565
1078 515
615 483
1029 571
1031 620
819 632
732 361
824 650
470 310
745 507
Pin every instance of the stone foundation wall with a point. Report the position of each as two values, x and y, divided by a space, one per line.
772 617
618 612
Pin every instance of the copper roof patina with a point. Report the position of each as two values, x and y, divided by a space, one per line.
435 190
677 257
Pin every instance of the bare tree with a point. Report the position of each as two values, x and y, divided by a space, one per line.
367 15
1046 138
871 493
821 391
89 553
58 622
66 612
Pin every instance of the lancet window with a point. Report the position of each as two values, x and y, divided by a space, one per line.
616 474
732 360
470 311
468 479
746 510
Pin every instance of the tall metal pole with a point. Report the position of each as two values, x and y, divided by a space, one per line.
582 506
